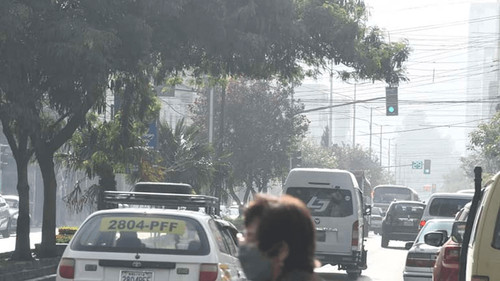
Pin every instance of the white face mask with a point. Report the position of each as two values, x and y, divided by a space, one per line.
256 266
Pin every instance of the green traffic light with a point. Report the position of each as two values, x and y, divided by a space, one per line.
390 109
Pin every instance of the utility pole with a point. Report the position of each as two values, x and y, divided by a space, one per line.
395 161
389 155
380 145
354 119
330 123
211 117
370 150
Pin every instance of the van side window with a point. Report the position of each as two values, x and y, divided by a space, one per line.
496 234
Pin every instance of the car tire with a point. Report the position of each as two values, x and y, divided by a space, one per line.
385 242
6 232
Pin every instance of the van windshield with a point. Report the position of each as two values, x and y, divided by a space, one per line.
325 202
389 194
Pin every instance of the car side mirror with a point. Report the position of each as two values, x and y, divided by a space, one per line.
458 230
435 238
408 245
368 210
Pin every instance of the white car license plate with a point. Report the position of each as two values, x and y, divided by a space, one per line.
136 275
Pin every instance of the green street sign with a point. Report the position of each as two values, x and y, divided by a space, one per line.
417 164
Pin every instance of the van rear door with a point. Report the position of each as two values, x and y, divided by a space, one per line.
333 211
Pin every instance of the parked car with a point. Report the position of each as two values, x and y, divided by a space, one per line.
13 202
5 219
421 256
376 218
152 244
446 267
401 221
444 205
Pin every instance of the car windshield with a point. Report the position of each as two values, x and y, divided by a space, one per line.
407 210
325 202
434 225
142 233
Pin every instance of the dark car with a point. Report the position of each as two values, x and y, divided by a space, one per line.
401 221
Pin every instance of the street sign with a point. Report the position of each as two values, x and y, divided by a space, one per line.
416 165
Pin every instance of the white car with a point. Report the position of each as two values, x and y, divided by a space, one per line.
151 244
4 218
444 206
421 256
13 202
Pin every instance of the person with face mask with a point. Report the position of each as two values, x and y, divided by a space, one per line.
279 240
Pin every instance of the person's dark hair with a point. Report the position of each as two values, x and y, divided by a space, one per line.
284 219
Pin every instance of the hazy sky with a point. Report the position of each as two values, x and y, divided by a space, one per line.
438 33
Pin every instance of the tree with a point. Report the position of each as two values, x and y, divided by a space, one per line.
314 156
58 58
485 148
262 126
184 157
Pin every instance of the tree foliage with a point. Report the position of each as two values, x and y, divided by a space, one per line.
57 58
262 126
185 156
485 148
343 157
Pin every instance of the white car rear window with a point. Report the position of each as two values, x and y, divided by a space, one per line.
140 233
447 207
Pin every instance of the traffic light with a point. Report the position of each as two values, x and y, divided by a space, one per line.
391 101
427 166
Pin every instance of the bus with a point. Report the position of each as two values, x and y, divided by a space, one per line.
383 195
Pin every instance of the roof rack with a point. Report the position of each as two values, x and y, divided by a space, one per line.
116 199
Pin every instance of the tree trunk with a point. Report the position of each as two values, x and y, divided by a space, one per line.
22 250
230 187
106 182
46 163
250 190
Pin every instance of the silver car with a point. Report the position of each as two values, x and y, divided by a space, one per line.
421 257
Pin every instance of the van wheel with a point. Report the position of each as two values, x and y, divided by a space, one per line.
385 242
354 274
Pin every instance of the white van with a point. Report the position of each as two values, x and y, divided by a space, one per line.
483 256
336 205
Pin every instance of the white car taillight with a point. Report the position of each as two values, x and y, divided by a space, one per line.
355 235
208 271
67 268
420 260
